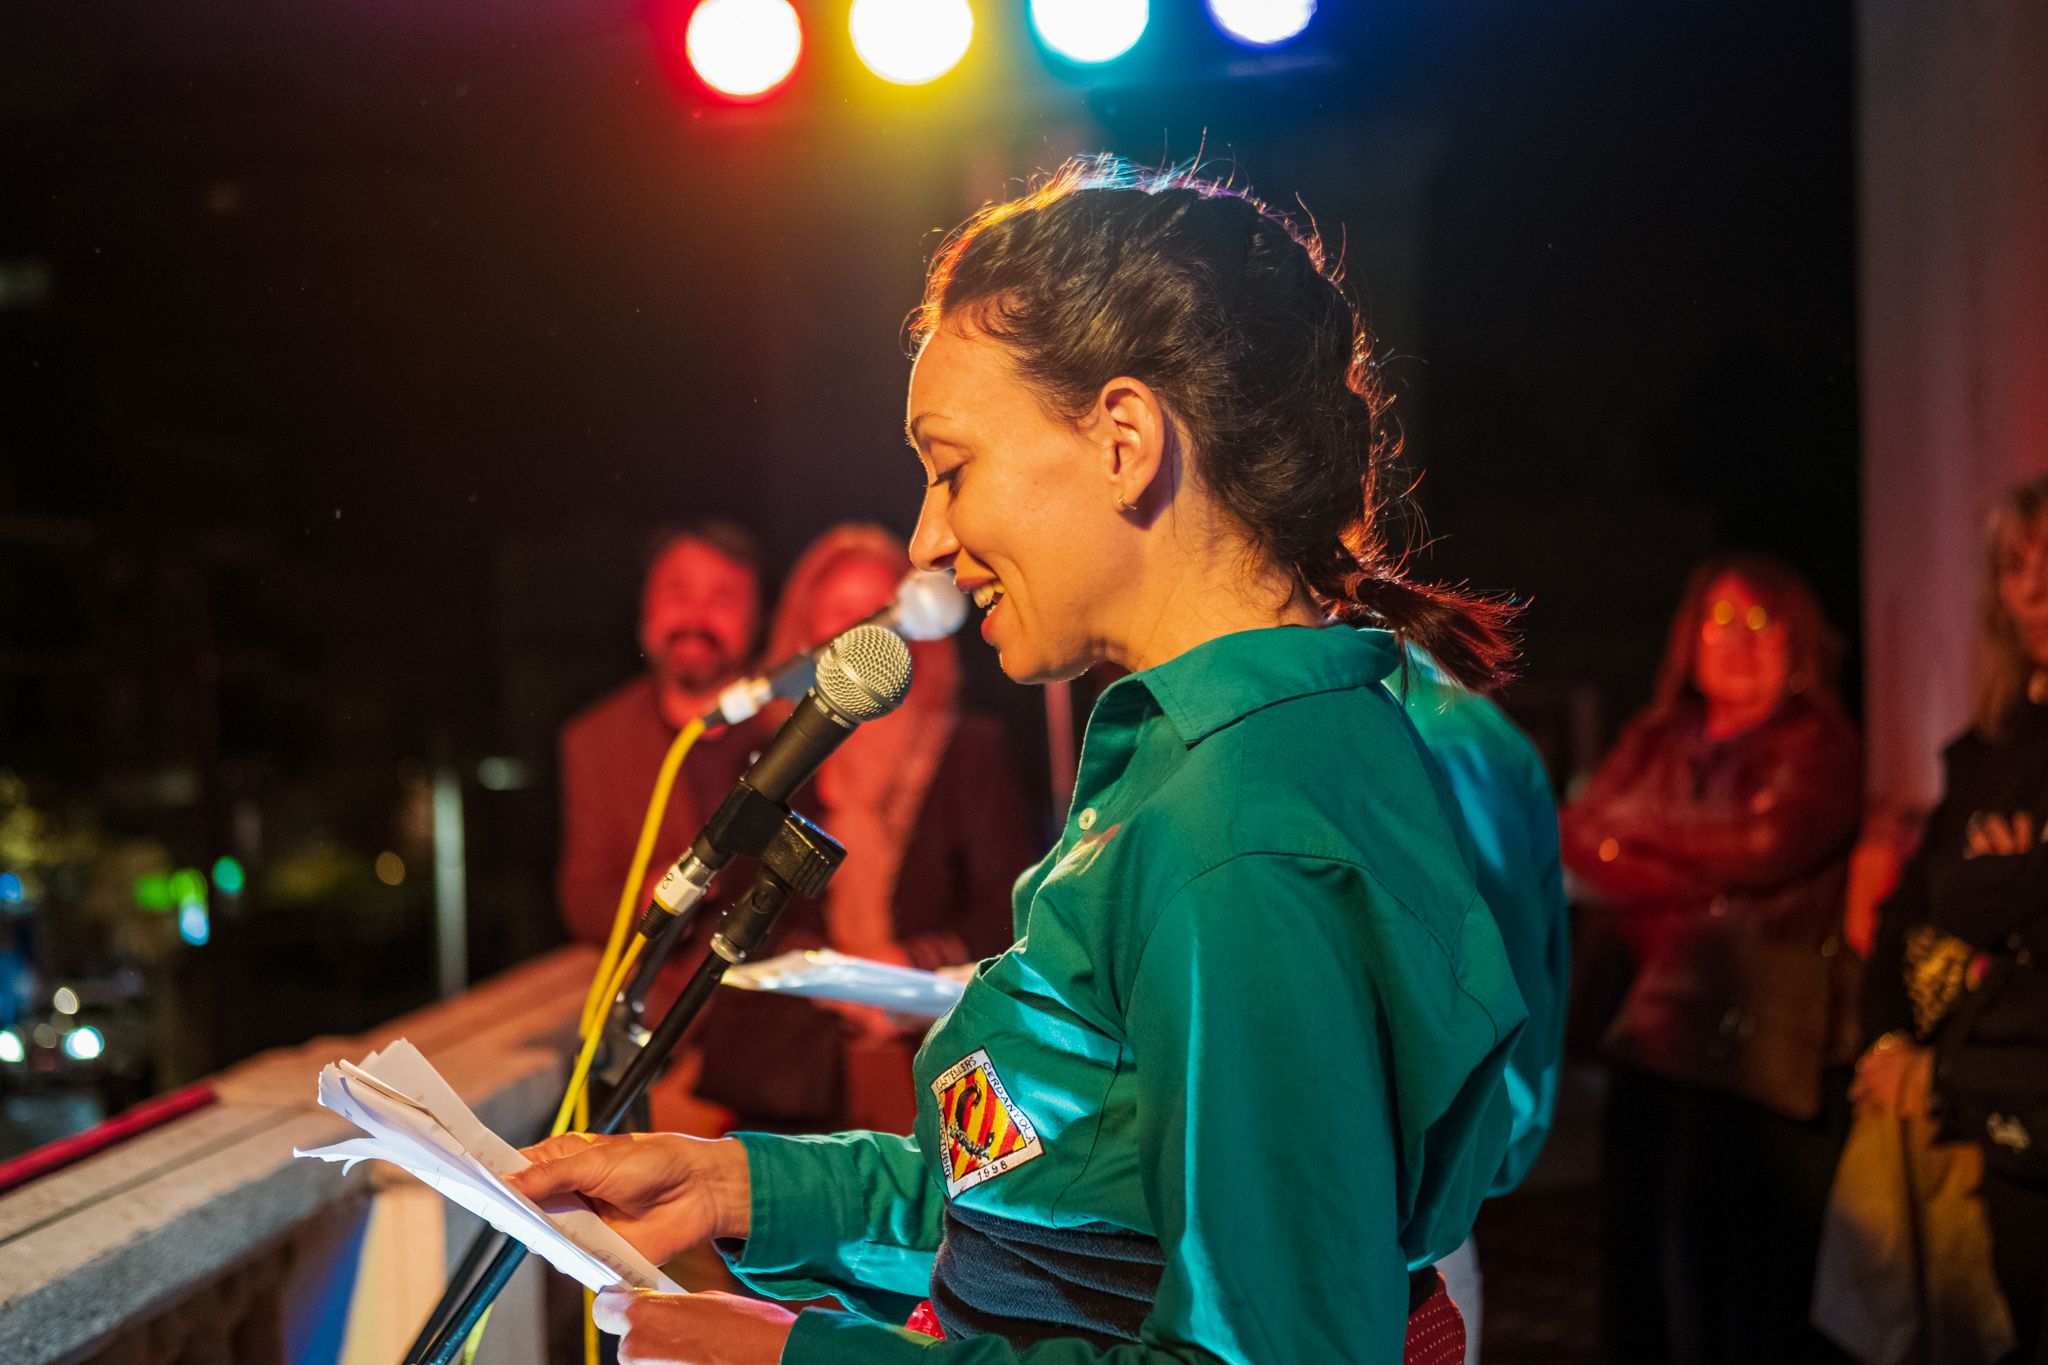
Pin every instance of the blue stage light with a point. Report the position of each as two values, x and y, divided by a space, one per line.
1090 31
1262 23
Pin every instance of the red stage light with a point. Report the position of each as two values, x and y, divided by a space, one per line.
744 49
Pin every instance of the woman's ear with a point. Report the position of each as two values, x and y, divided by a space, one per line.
1139 445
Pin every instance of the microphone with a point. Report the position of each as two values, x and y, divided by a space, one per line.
926 607
861 676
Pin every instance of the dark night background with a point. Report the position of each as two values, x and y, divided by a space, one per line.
348 353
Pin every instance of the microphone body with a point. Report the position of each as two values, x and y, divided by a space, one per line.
861 676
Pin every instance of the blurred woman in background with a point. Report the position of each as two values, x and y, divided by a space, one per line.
1956 1001
1714 838
926 801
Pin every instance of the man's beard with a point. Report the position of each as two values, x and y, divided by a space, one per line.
697 670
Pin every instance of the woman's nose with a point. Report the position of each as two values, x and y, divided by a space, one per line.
932 544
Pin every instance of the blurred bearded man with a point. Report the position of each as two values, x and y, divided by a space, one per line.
700 611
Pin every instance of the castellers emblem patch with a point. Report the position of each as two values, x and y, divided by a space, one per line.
982 1132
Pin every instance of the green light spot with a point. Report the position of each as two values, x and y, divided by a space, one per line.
227 876
155 892
188 885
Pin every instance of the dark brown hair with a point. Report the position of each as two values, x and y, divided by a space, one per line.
2002 663
729 538
1236 316
1812 649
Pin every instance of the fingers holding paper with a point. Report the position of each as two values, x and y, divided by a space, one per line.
692 1329
663 1192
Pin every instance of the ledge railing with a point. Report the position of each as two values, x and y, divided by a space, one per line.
204 1241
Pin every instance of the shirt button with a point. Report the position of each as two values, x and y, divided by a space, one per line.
1087 818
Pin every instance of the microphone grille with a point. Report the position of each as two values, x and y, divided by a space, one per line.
864 674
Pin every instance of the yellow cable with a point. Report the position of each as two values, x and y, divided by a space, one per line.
597 1002
580 1077
613 971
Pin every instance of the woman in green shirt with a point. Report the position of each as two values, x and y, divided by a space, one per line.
1241 1072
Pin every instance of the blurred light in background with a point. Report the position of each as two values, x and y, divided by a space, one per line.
12 1050
84 1044
194 924
390 868
10 887
503 775
911 42
1090 31
744 49
1262 23
227 876
65 1001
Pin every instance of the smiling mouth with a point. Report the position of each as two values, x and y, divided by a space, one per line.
987 595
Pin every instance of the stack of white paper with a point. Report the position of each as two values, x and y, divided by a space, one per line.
821 974
416 1120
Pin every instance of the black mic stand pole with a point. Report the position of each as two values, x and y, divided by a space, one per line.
799 860
624 1034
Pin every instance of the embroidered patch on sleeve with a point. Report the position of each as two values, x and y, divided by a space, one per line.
982 1132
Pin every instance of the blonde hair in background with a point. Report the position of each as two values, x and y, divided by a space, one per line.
2002 665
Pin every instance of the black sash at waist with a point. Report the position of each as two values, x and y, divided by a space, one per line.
1027 1283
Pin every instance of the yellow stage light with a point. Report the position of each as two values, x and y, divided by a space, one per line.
911 42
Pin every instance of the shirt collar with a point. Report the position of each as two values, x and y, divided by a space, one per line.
1221 681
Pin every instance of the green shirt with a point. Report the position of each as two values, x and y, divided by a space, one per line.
1256 1010
1503 790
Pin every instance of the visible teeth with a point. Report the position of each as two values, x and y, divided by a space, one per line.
986 595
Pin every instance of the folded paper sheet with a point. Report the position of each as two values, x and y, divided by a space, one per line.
416 1120
825 975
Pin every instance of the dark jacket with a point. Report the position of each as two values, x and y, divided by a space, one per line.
1721 864
1962 942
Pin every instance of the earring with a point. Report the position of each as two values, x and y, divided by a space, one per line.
1125 507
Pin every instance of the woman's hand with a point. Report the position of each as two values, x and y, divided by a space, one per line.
692 1329
1895 1077
663 1192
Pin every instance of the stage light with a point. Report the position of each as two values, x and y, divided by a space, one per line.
194 925
744 49
390 868
228 877
84 1044
12 1050
10 888
1262 23
1090 31
65 1001
910 42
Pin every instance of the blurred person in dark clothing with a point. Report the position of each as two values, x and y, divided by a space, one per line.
700 614
1957 1000
1714 840
927 803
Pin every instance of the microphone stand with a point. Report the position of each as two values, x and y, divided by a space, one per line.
797 859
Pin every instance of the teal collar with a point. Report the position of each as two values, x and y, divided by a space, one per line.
1221 681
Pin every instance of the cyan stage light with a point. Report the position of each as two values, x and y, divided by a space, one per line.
1090 31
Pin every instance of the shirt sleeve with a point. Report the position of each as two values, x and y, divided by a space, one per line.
1532 1074
852 1215
1319 1109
